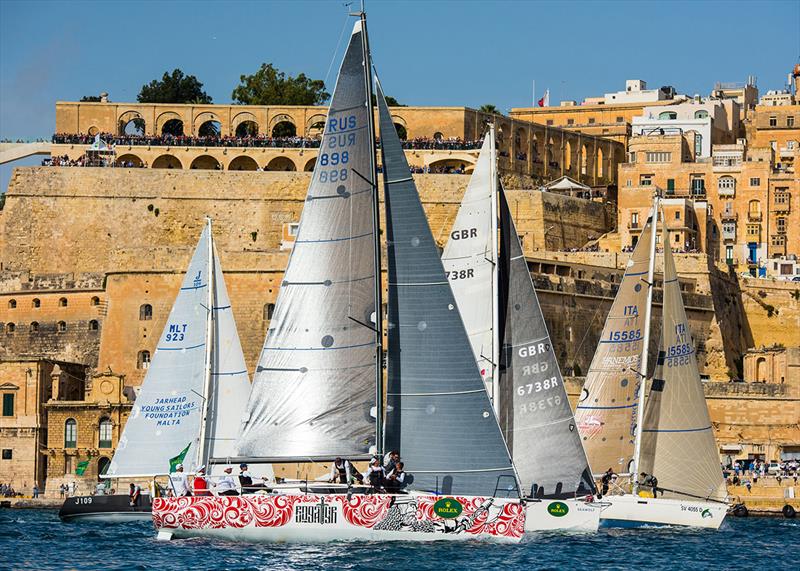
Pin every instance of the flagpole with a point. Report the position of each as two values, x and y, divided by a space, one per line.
533 100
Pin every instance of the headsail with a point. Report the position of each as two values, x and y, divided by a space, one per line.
535 414
438 413
678 445
607 408
469 259
314 385
168 412
230 385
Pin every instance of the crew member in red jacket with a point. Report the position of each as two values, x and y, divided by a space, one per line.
200 484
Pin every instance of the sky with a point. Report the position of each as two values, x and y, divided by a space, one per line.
448 53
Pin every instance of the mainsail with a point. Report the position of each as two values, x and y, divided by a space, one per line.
607 408
438 413
469 260
314 385
168 412
230 383
678 445
535 413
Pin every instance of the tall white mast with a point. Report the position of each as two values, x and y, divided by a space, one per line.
201 449
495 269
645 343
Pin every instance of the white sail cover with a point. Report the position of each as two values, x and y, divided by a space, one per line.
167 414
439 416
315 381
469 259
535 413
230 383
678 445
607 407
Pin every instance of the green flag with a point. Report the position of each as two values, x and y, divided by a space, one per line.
81 467
173 462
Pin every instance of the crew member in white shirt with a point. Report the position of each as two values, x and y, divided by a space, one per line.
226 485
179 482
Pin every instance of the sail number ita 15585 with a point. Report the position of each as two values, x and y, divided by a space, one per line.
629 335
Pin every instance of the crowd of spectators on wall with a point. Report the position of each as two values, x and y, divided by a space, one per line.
23 141
87 160
442 144
166 140
748 472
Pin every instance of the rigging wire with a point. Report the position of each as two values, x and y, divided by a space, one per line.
339 43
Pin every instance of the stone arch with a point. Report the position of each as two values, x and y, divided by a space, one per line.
245 124
131 123
315 125
207 124
549 158
519 138
105 429
170 120
93 130
584 160
535 151
761 370
400 126
312 162
567 156
243 163
167 162
281 164
124 160
599 166
283 125
452 166
206 162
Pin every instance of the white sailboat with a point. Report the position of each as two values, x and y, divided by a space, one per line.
318 389
192 396
512 347
668 434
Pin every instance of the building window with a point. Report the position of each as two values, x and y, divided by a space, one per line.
698 185
790 121
658 157
678 215
143 360
702 114
549 122
698 144
36 303
781 224
790 145
668 115
729 254
781 196
269 311
726 184
61 327
620 119
7 454
646 180
10 328
105 433
677 238
95 301
591 120
69 465
12 304
94 325
755 181
671 185
773 121
8 404
632 156
71 433
34 327
62 302
145 312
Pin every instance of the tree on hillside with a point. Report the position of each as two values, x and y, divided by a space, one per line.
390 101
270 86
489 108
90 99
174 88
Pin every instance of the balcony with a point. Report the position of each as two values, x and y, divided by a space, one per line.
754 216
729 215
634 226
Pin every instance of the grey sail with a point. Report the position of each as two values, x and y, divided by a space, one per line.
438 413
607 408
678 445
168 413
535 413
315 381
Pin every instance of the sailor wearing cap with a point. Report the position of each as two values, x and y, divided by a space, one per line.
179 482
225 484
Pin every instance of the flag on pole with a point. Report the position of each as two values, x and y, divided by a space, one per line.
545 100
173 462
81 467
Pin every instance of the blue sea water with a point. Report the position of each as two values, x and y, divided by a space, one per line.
36 539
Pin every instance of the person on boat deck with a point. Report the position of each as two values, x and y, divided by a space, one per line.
650 481
606 481
246 481
133 494
226 486
179 482
343 472
390 460
376 474
396 479
200 484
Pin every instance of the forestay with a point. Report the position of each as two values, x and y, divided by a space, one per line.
678 445
168 412
438 413
607 407
535 413
315 381
469 260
